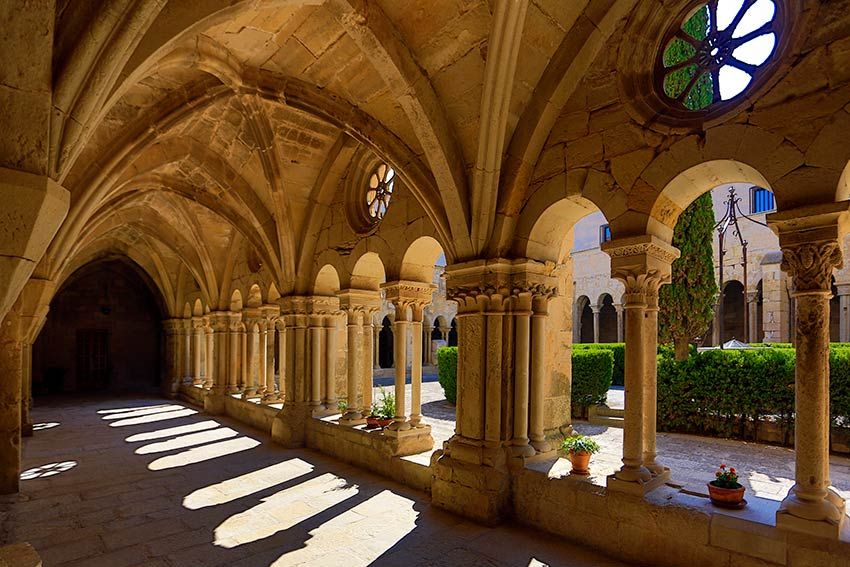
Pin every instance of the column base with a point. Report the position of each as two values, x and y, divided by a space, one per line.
638 487
825 518
26 429
214 403
474 483
409 441
271 398
289 426
352 418
400 426
250 394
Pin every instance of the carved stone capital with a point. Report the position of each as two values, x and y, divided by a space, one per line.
487 284
811 265
404 294
172 326
642 264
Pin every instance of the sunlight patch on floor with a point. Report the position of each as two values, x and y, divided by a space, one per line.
51 469
246 484
172 431
765 486
372 528
189 440
153 418
204 453
284 510
123 410
43 426
142 411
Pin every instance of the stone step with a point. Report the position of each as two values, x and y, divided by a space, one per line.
603 415
607 420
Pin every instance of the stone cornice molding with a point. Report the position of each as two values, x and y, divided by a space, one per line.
359 300
300 305
404 293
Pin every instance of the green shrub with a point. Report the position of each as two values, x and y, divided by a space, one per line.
580 444
839 386
592 369
619 352
447 371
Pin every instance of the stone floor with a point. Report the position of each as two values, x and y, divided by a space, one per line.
147 482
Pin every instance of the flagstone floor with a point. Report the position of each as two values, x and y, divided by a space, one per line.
154 483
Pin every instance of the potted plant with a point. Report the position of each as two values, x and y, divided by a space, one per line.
725 490
579 448
383 411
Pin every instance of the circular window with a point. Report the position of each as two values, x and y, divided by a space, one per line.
380 190
719 50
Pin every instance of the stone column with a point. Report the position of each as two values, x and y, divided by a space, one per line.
289 425
209 362
416 366
197 346
400 325
540 314
282 353
11 351
271 394
620 327
236 354
844 305
642 264
810 252
173 344
220 324
409 299
650 394
376 330
186 351
752 318
255 326
26 389
370 345
595 310
331 402
317 332
354 362
245 363
522 317
262 358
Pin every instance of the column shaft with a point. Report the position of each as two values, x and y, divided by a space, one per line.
209 363
538 379
330 364
11 361
198 345
369 347
316 333
521 383
400 346
354 364
650 392
416 370
635 369
595 324
233 371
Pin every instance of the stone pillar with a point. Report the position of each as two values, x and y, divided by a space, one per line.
330 401
26 390
209 361
11 351
810 252
498 402
255 324
752 317
220 325
650 394
317 332
197 347
595 310
358 306
376 330
34 303
409 298
370 345
282 353
642 264
620 327
271 313
186 351
416 367
716 335
236 354
844 305
173 343
244 362
522 323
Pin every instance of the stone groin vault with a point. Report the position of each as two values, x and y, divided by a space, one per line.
269 170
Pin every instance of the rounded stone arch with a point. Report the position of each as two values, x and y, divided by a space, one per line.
545 223
438 328
368 272
255 296
608 332
583 320
420 259
236 301
327 281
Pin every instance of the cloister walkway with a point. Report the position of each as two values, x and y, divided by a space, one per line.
152 482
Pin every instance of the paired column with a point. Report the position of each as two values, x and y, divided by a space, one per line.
642 264
186 351
359 307
209 359
270 391
331 354
810 252
595 310
409 299
197 346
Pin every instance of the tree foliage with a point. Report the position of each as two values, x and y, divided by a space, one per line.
687 303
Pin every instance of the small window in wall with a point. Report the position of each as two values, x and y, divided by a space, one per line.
761 201
604 233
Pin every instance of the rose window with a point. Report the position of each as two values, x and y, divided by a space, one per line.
717 52
380 190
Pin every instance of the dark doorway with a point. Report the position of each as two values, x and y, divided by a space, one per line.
607 320
453 333
385 344
585 321
733 312
102 334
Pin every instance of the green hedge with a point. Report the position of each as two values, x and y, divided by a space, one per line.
732 392
619 352
447 371
592 370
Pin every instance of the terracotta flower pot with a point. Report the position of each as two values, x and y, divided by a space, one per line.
580 462
728 497
373 421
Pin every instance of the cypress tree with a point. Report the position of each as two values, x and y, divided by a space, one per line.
687 303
